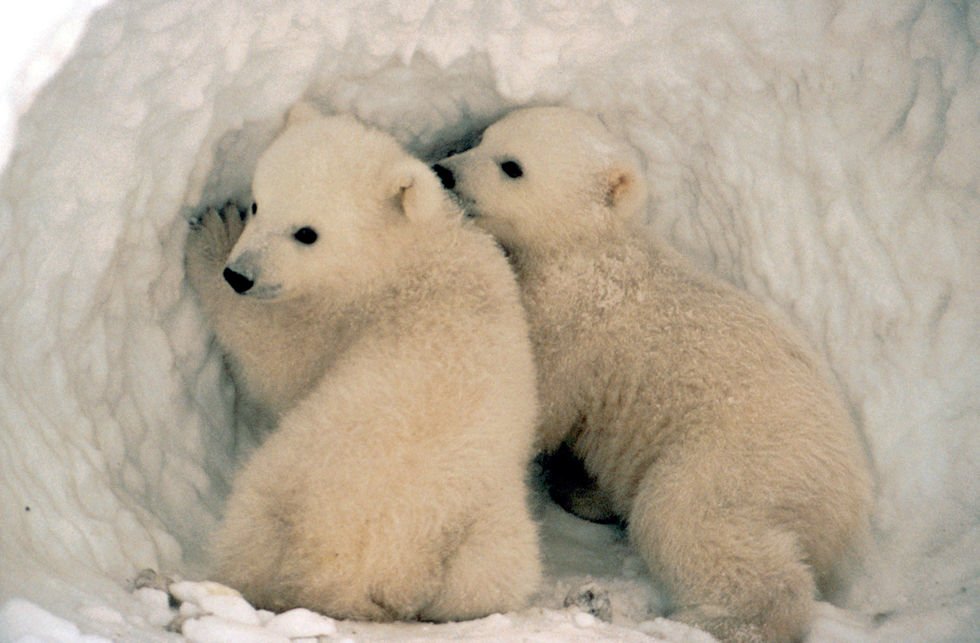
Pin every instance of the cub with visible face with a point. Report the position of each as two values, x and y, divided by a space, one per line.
390 342
707 425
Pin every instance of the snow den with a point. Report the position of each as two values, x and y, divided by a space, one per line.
821 156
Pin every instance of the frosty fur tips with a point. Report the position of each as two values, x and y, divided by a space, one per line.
708 425
388 341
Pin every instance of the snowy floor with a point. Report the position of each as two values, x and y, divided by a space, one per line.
819 156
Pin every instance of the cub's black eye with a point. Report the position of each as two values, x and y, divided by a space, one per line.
306 236
255 207
512 169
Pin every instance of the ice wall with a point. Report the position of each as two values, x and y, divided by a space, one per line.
822 157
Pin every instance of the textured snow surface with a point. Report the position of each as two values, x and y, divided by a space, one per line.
823 157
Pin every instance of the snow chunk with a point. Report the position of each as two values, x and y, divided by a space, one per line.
214 629
265 616
159 613
196 591
190 610
208 597
232 608
666 630
584 619
302 622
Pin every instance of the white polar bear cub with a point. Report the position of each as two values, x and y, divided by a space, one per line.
393 486
709 426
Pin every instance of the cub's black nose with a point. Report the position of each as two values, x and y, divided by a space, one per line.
445 175
238 281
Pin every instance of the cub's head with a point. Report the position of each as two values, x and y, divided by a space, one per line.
546 175
331 196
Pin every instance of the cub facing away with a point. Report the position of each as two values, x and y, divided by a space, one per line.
706 423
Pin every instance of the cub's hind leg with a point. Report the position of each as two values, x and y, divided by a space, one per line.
728 569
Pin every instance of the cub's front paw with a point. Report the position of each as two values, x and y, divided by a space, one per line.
214 233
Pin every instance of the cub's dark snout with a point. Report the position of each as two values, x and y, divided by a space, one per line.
445 175
239 282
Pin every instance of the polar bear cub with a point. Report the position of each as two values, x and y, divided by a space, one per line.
714 433
393 486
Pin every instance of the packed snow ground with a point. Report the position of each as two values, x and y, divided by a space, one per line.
823 157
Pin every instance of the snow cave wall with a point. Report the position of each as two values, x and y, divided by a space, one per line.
823 157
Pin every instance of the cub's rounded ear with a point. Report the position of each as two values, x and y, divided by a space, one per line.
302 112
417 192
624 188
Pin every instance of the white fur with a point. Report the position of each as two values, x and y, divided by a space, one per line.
393 356
708 425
